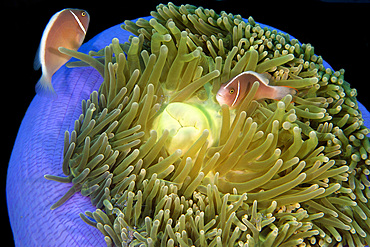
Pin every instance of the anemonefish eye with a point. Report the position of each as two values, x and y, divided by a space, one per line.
83 13
231 91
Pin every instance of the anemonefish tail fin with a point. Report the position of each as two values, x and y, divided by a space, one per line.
44 87
282 91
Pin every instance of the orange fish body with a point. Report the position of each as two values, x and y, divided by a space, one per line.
67 28
233 92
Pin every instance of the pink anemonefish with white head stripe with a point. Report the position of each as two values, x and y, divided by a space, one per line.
233 92
67 28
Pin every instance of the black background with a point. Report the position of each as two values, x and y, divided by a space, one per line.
338 31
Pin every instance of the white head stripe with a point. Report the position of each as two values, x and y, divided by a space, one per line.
237 94
78 21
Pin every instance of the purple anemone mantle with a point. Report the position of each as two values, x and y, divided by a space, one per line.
38 151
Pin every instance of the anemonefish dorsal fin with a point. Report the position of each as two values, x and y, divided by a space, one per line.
66 28
36 61
260 77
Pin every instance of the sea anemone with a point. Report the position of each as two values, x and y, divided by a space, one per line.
165 165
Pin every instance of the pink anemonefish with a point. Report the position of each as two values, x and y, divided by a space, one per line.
67 28
233 92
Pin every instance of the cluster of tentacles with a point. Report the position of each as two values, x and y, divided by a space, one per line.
269 173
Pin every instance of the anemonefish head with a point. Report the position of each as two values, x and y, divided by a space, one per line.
229 93
81 17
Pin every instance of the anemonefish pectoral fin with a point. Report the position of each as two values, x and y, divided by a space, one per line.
282 91
44 87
